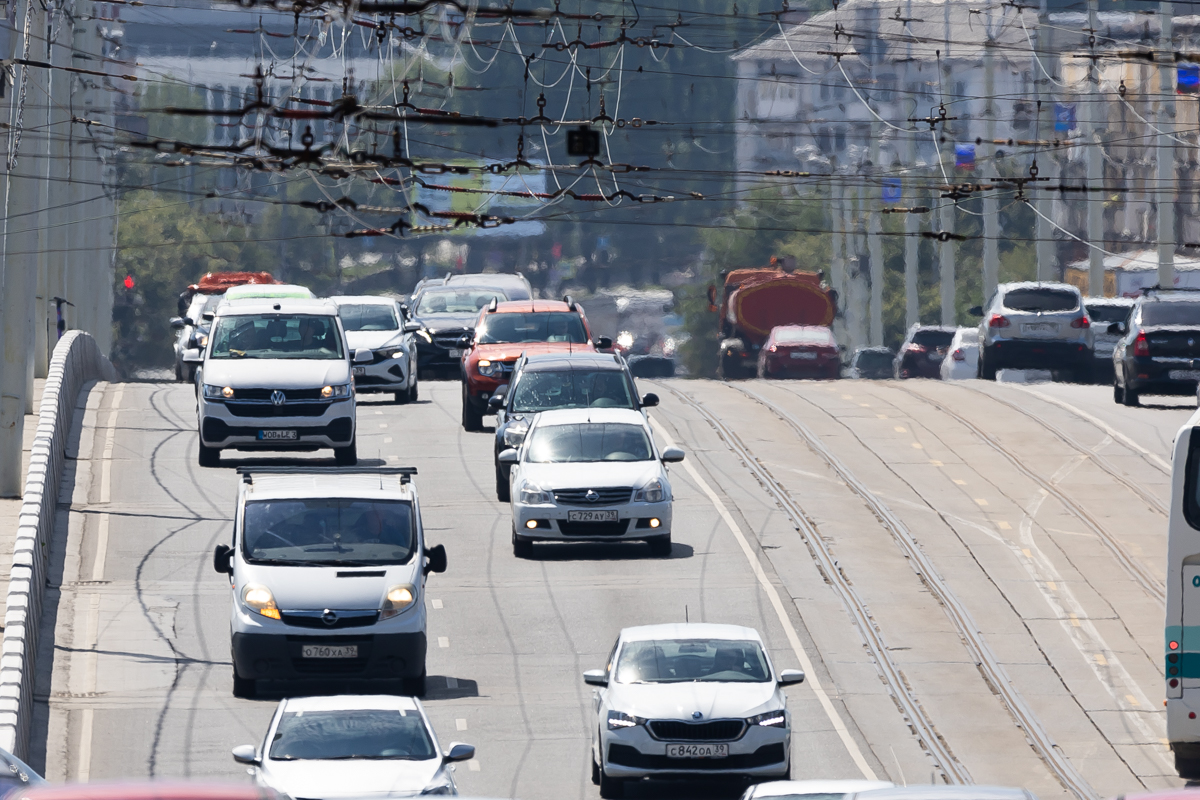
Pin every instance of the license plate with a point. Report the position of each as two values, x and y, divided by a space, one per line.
455 353
322 651
805 356
277 436
1184 374
609 515
1039 327
697 750
359 371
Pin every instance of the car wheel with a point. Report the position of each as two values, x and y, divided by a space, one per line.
987 371
1131 397
660 546
244 688
209 456
412 392
414 687
178 372
472 420
400 397
522 548
346 456
502 489
191 375
1118 393
1188 768
595 771
611 787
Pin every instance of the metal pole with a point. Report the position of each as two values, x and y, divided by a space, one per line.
1165 151
991 207
875 248
1045 201
1095 166
837 261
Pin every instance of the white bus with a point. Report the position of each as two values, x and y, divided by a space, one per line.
1182 644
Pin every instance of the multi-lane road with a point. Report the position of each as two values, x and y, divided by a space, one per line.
971 574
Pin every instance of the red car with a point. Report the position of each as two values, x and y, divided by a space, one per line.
506 330
800 351
149 790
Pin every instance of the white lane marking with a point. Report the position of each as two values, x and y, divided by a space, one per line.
387 440
102 522
1104 426
443 641
436 603
473 765
383 424
460 724
773 595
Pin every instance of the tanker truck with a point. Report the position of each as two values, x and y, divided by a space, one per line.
755 300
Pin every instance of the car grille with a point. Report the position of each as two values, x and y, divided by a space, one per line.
625 756
265 394
609 496
270 410
617 528
345 619
721 730
448 340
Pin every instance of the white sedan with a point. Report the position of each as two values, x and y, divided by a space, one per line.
811 790
689 700
353 746
590 474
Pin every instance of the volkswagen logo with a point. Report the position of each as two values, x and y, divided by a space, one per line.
697 715
330 618
592 495
278 398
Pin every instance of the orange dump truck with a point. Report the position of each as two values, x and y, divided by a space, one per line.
755 300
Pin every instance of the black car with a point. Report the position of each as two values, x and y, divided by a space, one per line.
872 363
448 307
1159 348
922 352
553 380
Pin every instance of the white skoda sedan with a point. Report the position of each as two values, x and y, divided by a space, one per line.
590 474
686 701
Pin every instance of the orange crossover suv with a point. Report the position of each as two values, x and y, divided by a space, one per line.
506 330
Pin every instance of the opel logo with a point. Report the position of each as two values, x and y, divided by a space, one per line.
696 715
592 495
278 398
330 618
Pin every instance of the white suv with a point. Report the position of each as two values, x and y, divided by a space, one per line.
276 376
1035 325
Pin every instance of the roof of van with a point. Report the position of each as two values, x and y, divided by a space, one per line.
267 290
364 300
273 305
328 482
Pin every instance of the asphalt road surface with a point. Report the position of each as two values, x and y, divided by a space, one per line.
971 573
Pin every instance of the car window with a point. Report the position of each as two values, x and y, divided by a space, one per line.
457 301
686 660
543 390
1041 299
344 734
534 326
309 336
589 441
1109 313
1171 313
933 338
324 531
368 317
804 336
874 359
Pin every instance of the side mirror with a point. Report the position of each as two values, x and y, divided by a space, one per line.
466 341
404 310
207 316
673 455
412 327
460 752
1118 329
975 311
650 401
245 754
495 402
595 677
508 456
223 559
363 356
178 323
790 676
435 561
603 343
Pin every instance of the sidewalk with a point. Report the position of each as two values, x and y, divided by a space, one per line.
11 507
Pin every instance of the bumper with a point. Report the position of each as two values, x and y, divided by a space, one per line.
388 375
634 521
480 388
269 656
796 368
221 428
1037 354
920 365
633 753
1153 375
432 357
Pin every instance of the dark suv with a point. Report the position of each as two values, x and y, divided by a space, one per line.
1159 348
553 380
921 354
448 308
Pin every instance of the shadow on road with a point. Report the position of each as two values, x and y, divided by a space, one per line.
602 551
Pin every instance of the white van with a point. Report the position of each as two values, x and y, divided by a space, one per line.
1181 652
327 575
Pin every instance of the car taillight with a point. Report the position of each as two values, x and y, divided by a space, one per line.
1082 322
772 348
957 355
1141 346
998 321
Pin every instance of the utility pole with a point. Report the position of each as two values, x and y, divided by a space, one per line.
1045 131
837 261
991 207
1095 163
946 267
1165 150
875 247
912 224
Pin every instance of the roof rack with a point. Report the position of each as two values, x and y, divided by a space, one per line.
248 473
1156 289
570 303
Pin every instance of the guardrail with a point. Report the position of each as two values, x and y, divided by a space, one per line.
76 361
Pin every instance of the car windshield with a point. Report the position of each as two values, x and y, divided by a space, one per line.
685 660
368 317
1171 313
308 336
1041 299
345 734
533 326
874 359
1108 314
589 441
456 301
933 338
804 336
540 391
328 531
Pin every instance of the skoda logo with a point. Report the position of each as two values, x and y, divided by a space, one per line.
278 398
696 715
329 617
592 495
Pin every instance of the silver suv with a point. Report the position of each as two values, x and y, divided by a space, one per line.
1032 325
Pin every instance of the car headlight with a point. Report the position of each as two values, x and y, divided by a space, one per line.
212 392
424 334
442 784
514 433
396 600
258 598
619 720
342 390
489 368
771 719
532 495
390 352
652 492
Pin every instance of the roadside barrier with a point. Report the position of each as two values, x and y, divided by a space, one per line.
76 361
